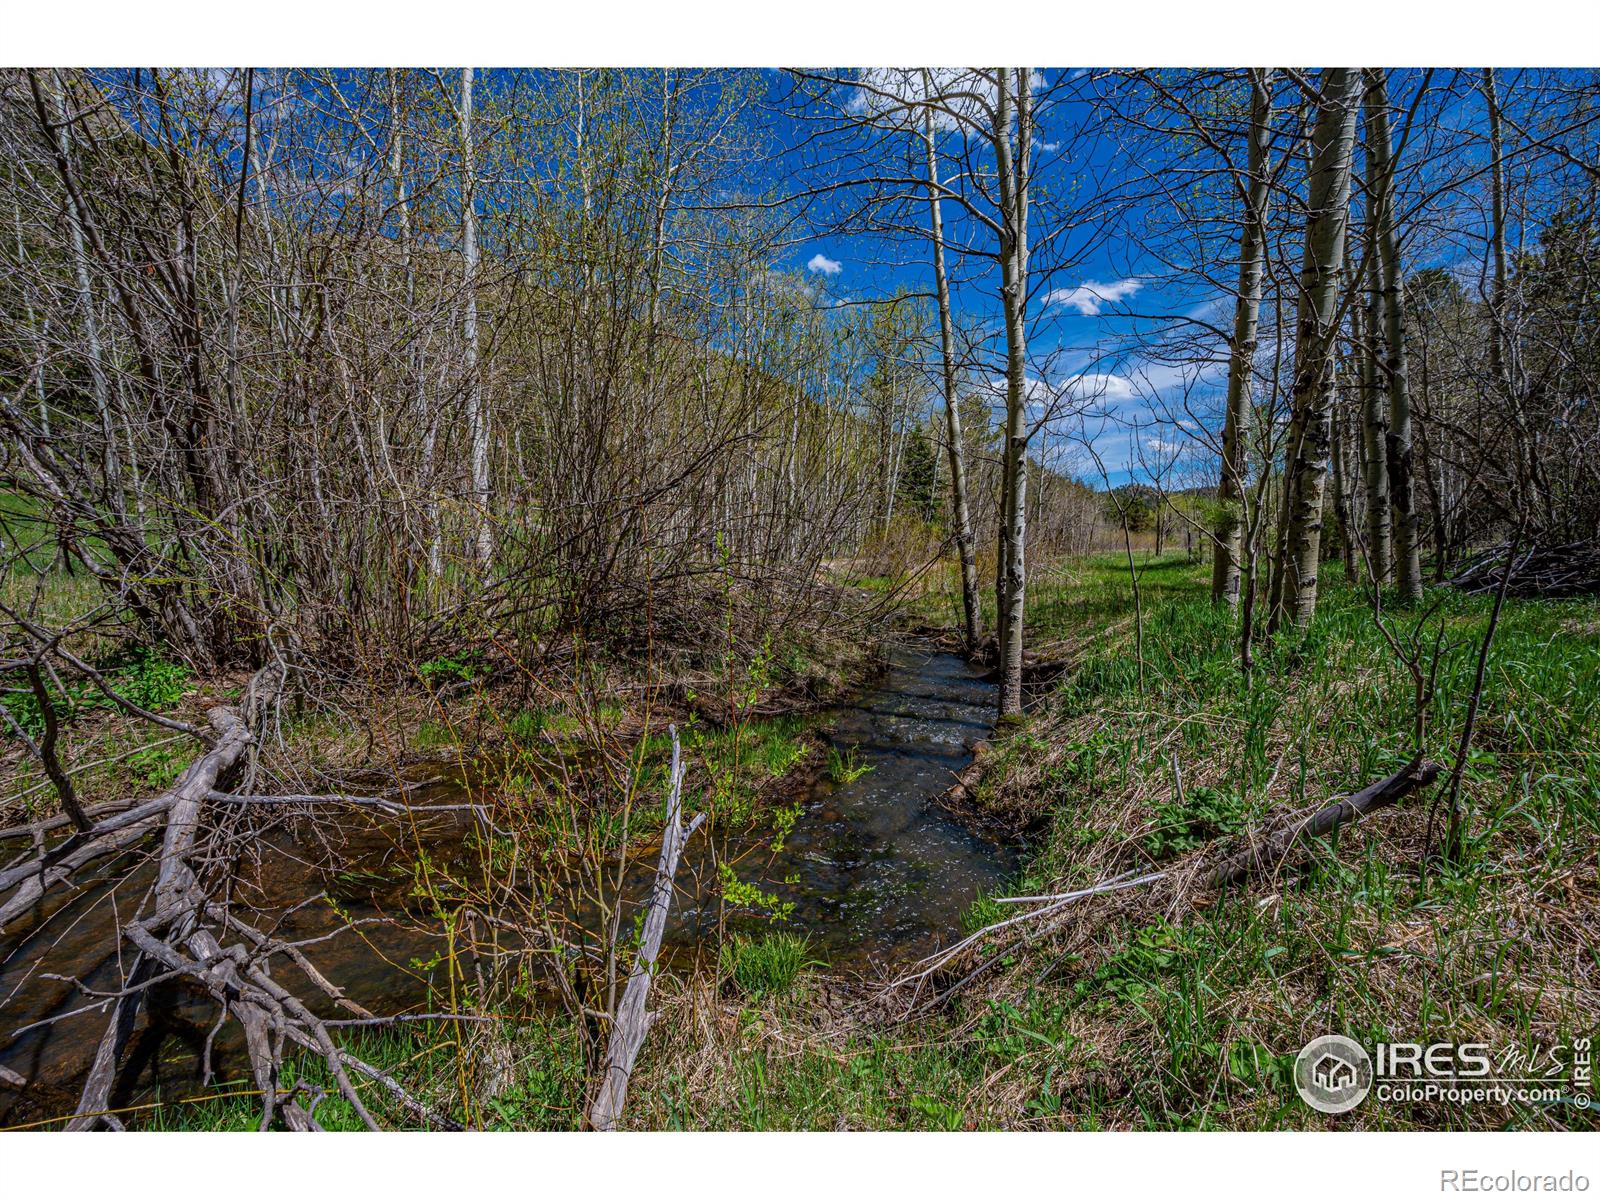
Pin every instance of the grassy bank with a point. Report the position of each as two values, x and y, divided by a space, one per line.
1167 1011
1139 1016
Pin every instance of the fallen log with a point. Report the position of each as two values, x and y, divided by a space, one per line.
34 831
56 868
183 931
1265 853
1268 854
631 1021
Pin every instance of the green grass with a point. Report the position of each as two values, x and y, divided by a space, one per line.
430 735
1190 1016
1206 1010
765 965
735 764
843 768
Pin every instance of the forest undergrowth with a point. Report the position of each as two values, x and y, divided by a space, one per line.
1159 1008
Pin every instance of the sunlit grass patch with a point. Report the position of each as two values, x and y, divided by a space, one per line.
766 965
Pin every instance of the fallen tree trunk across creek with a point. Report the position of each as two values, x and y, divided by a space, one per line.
182 931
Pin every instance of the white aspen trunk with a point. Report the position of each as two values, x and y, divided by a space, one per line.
1374 417
1498 359
1225 572
408 268
1398 451
1306 460
95 353
40 332
961 516
1342 495
1502 349
477 415
1013 179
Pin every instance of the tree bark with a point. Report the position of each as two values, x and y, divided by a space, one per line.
477 418
960 515
1241 363
1342 501
1013 179
1267 855
1499 365
1374 421
1398 453
1306 461
99 387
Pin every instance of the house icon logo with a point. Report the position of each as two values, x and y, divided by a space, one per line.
1333 1074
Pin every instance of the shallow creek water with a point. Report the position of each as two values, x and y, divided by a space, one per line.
877 872
880 871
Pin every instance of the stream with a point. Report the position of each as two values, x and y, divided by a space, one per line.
877 871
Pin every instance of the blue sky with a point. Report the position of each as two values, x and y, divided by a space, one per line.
1092 291
1116 328
1119 303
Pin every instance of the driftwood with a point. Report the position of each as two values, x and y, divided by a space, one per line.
631 1021
183 931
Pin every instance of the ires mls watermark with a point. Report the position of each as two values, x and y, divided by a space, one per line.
1333 1074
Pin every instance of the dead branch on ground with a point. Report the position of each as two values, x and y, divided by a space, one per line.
631 1021
1263 853
183 931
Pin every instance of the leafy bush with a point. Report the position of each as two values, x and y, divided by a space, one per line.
150 681
739 893
160 766
451 668
1203 814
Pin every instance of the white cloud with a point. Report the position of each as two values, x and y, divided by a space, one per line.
963 97
1089 297
825 265
1046 146
1095 386
1074 394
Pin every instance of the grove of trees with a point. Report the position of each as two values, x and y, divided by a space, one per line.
310 378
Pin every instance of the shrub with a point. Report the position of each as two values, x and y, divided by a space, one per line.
767 965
